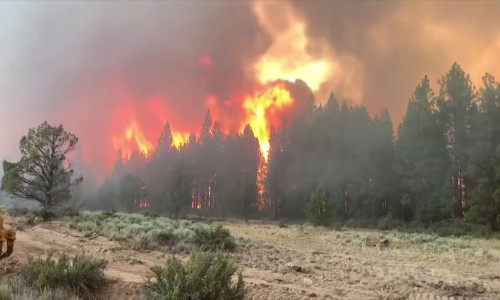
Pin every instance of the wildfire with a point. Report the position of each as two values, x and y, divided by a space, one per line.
133 139
179 138
262 109
133 133
288 57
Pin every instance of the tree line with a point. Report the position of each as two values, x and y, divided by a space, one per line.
334 162
339 161
213 174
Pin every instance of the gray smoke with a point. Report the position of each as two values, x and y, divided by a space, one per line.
75 62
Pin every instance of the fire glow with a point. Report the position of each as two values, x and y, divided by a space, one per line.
287 58
260 110
136 129
263 104
133 139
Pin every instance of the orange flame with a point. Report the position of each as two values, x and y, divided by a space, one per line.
179 138
133 133
132 139
260 110
289 57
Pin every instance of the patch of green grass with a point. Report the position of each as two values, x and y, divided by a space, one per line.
205 276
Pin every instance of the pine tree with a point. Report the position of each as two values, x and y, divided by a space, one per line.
179 187
458 107
319 210
485 204
421 156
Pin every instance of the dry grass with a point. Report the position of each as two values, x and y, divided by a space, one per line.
366 264
300 261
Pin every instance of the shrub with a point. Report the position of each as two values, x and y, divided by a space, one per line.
213 239
21 290
389 222
319 210
150 232
5 292
163 237
80 274
206 276
16 211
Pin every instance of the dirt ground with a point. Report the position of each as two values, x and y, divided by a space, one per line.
298 262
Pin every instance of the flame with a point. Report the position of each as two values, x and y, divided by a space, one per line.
134 133
136 128
288 57
132 139
179 138
262 110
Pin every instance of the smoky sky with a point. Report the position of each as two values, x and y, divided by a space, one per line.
76 63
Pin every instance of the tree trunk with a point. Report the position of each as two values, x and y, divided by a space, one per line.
493 222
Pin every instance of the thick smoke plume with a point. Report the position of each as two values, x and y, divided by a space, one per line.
98 67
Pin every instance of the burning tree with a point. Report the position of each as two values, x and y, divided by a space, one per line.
43 173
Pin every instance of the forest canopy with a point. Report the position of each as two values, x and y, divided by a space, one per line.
442 163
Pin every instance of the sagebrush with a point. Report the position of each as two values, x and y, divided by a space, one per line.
152 232
81 274
214 239
206 276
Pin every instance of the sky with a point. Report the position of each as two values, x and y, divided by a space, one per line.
97 66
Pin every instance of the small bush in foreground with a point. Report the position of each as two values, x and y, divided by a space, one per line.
5 292
80 274
206 276
213 239
19 289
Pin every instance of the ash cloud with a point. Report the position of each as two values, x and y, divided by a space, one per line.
399 42
76 62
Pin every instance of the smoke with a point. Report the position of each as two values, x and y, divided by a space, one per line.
397 43
94 66
98 66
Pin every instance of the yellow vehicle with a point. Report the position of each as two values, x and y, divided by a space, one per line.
8 235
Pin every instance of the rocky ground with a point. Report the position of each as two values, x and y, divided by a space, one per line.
298 262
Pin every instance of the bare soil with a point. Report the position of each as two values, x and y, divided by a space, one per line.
296 262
